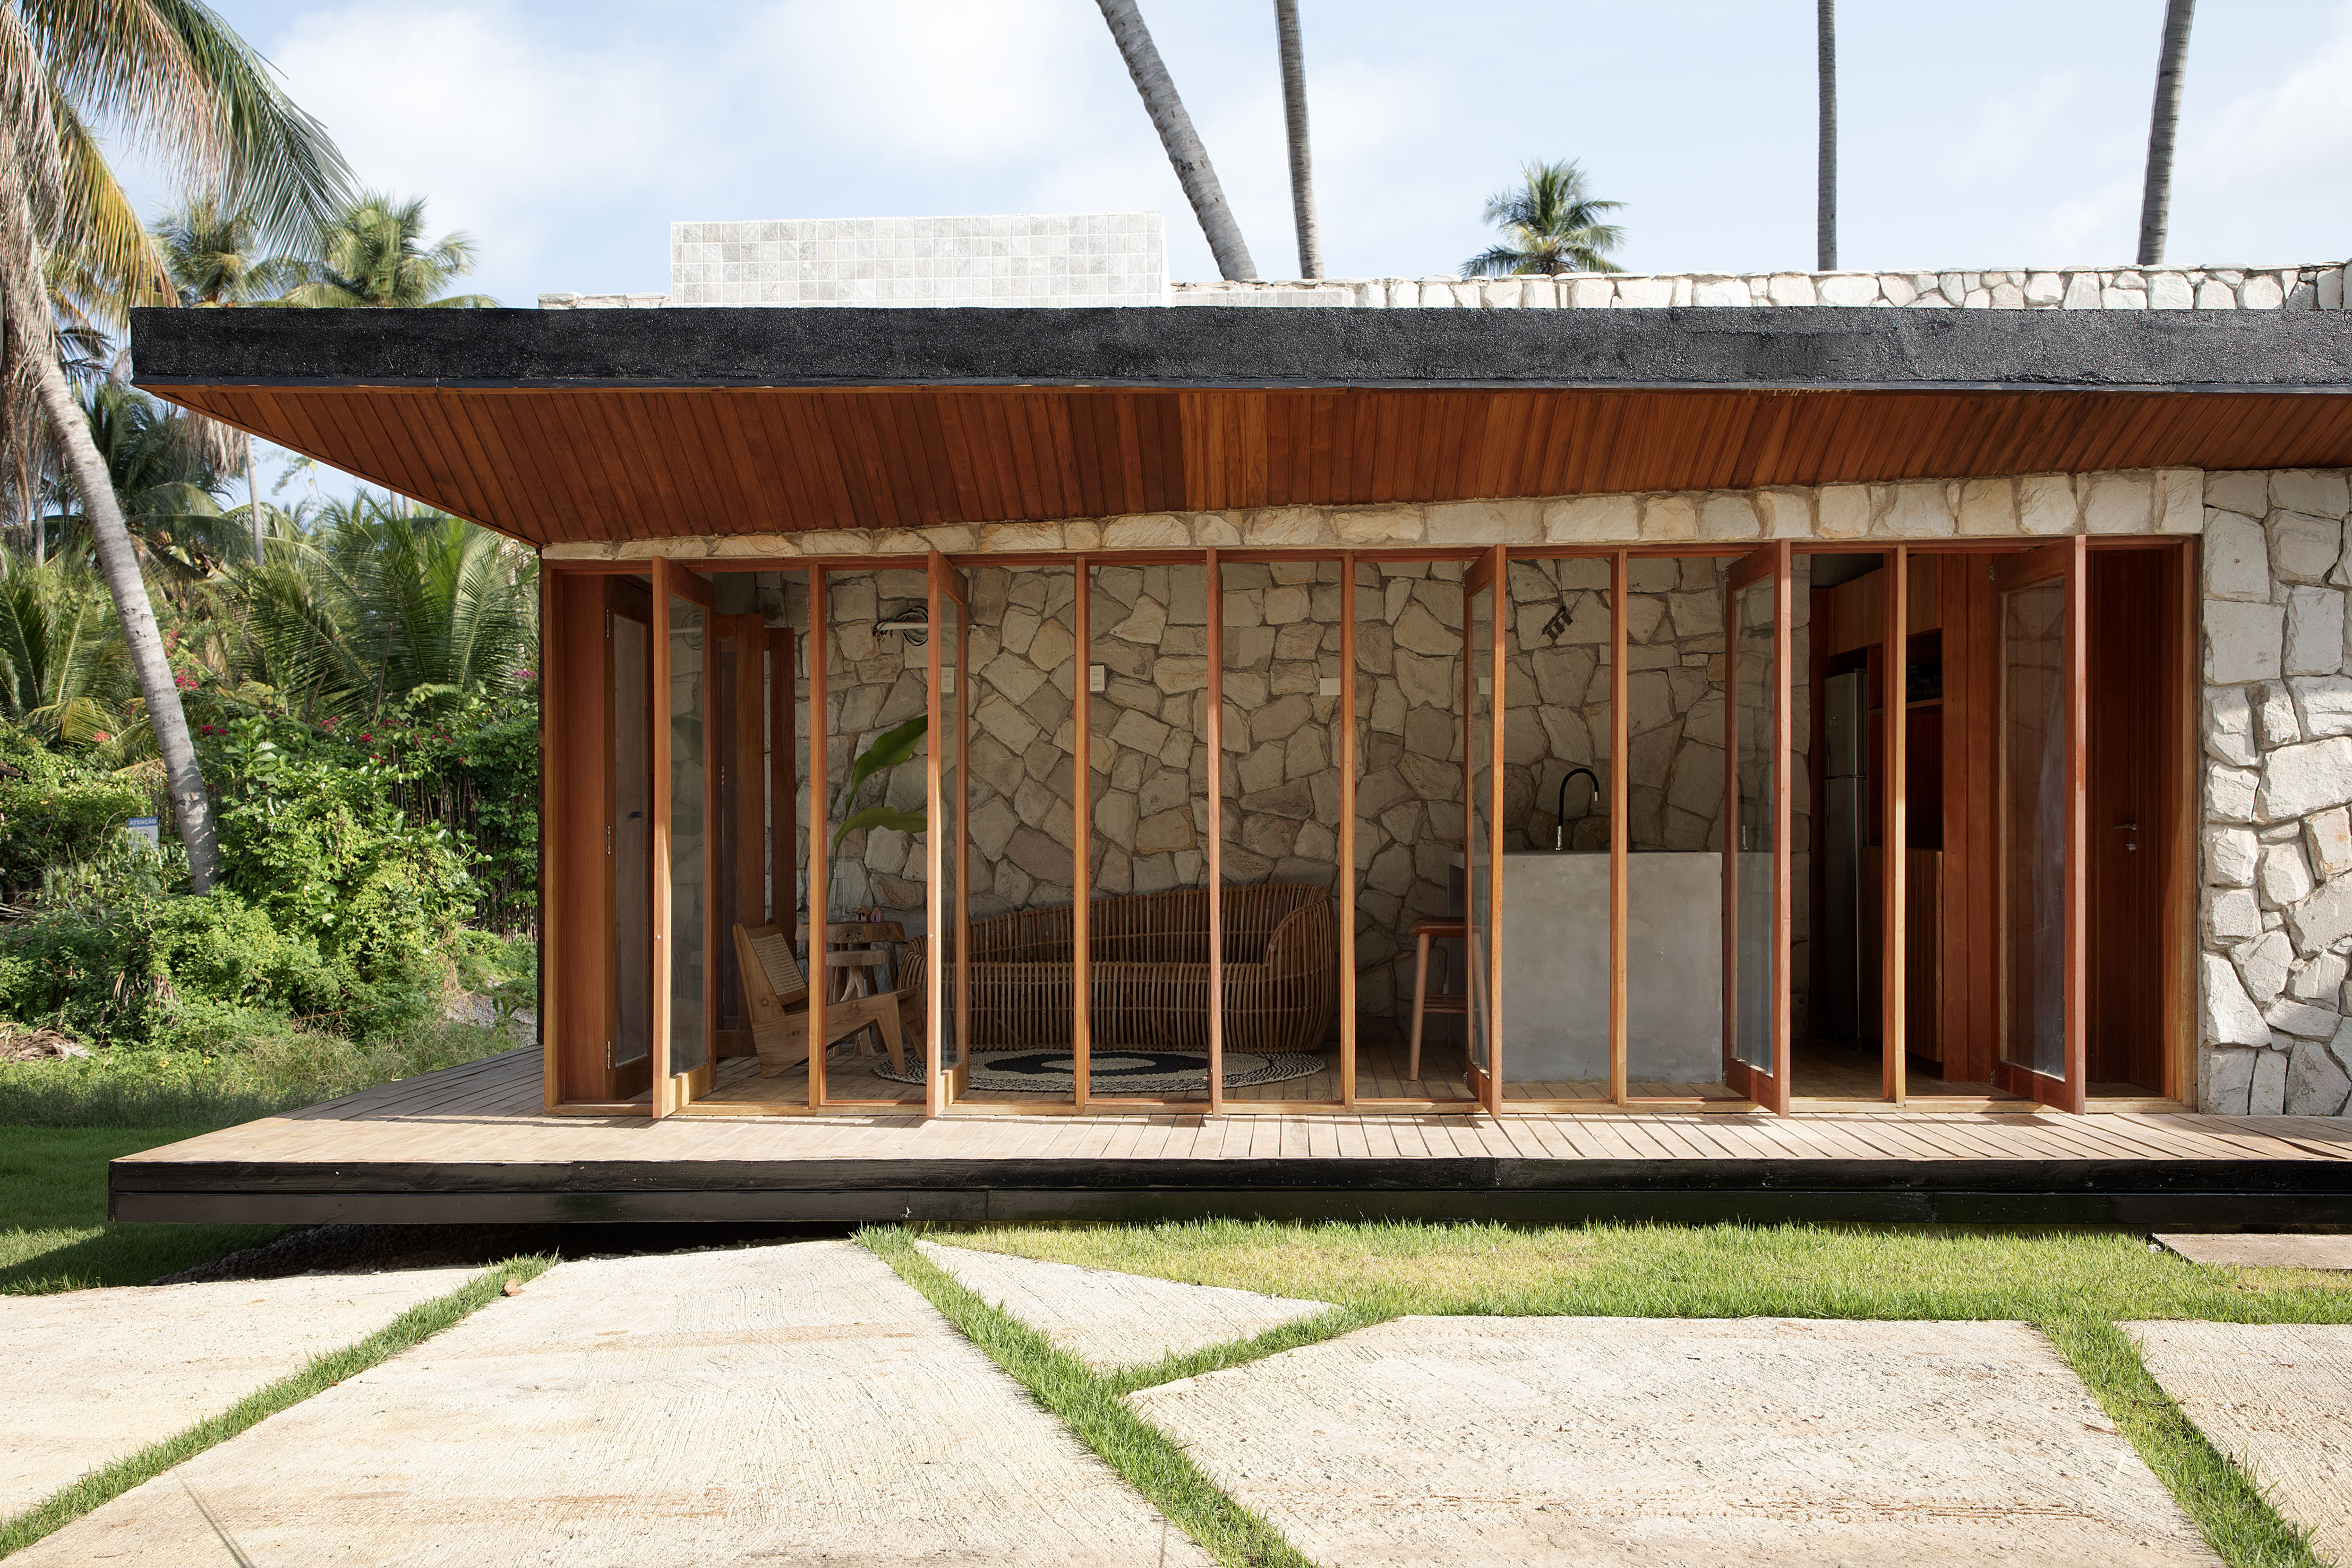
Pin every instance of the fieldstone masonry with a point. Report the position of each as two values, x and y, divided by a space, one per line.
2013 288
2278 795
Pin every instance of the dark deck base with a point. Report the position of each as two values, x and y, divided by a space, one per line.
470 1146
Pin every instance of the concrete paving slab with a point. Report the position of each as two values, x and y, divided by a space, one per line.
1111 1321
2276 1398
796 1404
93 1375
1613 1441
2250 1251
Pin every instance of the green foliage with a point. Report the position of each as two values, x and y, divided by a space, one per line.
65 671
56 808
889 749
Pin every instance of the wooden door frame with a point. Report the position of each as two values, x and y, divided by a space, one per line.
1776 562
2066 561
942 1085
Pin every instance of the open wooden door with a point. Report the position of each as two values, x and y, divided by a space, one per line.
684 992
1756 730
2041 681
947 1027
1482 830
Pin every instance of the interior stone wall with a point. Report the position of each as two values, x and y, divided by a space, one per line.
2277 736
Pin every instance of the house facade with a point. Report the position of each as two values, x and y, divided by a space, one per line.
1739 694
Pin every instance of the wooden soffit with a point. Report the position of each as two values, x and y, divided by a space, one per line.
840 423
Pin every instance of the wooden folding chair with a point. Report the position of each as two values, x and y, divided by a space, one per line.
776 995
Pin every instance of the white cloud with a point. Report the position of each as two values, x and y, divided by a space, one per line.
2268 174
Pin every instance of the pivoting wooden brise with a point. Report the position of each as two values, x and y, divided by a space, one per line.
1268 967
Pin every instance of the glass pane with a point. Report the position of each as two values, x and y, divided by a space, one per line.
1478 844
1280 779
633 804
1147 748
947 829
1018 795
877 705
1675 698
1408 727
690 854
1753 852
2033 826
1555 828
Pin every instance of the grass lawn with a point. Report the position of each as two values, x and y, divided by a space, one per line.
2075 1286
54 1234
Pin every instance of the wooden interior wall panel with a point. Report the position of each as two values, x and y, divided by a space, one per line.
562 464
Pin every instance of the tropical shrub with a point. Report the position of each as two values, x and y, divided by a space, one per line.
56 808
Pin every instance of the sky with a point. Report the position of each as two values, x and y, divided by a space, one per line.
564 138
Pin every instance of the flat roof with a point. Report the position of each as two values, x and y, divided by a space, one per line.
563 426
1765 347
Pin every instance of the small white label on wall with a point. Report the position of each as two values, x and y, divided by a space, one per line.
1097 675
947 683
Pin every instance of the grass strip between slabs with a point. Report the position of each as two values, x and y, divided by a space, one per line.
413 1327
1094 1407
2222 1500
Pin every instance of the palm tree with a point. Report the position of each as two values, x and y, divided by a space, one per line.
2155 196
386 602
373 253
1193 171
1294 108
1554 225
64 672
1825 180
213 255
163 482
176 85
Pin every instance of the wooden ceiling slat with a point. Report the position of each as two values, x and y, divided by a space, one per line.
554 465
483 465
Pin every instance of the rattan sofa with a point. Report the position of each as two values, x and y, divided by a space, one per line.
1150 959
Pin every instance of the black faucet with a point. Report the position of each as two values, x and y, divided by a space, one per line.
1559 824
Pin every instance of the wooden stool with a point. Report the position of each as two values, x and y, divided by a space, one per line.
1424 932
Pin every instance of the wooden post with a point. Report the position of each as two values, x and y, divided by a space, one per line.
1347 727
1082 839
2078 795
1619 838
658 1009
1894 837
1213 593
819 825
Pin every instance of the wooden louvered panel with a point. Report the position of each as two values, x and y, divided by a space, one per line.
561 464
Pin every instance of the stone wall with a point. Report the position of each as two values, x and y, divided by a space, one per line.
2139 501
2277 927
2303 287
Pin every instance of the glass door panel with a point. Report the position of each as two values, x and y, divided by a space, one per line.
630 838
1756 837
948 1002
1278 806
1146 671
682 780
2038 743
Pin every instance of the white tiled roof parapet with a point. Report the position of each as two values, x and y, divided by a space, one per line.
1006 259
2299 287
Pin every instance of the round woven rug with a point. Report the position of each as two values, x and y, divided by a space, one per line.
1117 1072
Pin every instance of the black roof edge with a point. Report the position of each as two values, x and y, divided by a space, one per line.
1798 349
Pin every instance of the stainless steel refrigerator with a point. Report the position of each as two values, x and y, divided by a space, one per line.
1837 1009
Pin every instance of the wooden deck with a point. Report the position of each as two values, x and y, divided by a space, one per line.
469 1144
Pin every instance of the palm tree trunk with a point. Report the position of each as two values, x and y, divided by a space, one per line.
2156 198
1294 112
120 563
252 502
1193 171
1825 198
